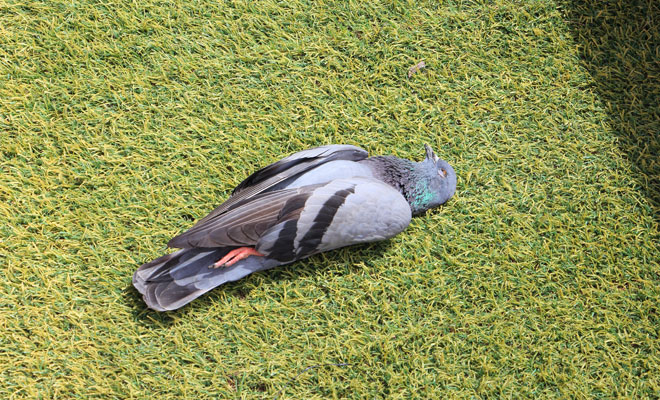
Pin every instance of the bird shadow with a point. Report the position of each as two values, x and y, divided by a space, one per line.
618 43
240 289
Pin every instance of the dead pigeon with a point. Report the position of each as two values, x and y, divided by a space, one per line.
310 202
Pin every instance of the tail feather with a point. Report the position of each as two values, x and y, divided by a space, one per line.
176 279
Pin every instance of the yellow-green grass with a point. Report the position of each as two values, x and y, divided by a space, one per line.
123 122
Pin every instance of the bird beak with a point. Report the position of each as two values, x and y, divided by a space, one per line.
430 155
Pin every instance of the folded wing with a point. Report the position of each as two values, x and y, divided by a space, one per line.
291 224
281 171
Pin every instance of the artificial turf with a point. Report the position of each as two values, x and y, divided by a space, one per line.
122 122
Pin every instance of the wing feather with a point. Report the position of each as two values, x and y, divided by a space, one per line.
339 213
287 168
243 225
290 224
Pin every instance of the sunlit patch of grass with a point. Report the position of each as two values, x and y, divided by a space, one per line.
121 123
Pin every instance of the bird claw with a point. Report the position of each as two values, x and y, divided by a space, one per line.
235 256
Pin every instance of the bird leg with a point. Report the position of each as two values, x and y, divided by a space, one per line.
235 256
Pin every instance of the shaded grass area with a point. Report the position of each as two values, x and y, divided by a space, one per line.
124 122
619 43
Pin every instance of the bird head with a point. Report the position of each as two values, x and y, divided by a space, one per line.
440 180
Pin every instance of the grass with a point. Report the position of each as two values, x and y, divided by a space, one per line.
123 122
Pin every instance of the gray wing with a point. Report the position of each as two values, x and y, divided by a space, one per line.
296 164
290 224
246 221
339 213
287 168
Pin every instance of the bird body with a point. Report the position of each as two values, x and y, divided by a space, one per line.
313 201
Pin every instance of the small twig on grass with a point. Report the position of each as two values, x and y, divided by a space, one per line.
305 370
416 68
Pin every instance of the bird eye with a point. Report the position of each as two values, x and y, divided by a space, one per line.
442 172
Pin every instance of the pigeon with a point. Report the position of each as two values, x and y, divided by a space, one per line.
313 201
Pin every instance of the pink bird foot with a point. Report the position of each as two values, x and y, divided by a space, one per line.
235 256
